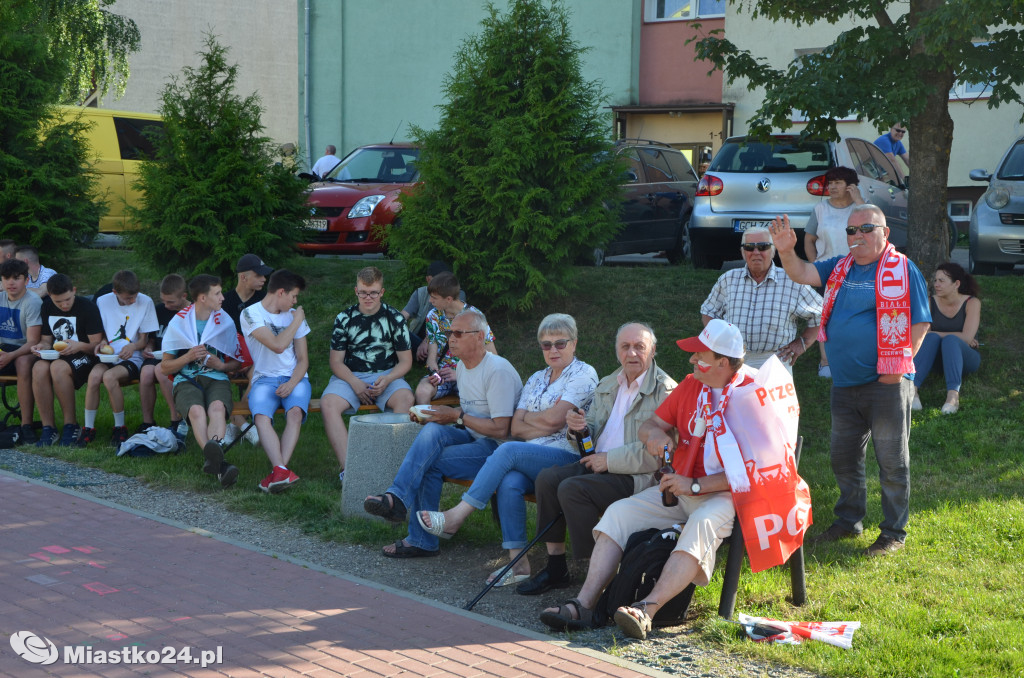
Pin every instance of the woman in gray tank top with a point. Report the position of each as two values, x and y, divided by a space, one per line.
952 338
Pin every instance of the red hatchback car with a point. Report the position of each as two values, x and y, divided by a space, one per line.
357 198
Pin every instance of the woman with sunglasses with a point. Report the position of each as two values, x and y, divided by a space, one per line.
567 383
825 232
956 315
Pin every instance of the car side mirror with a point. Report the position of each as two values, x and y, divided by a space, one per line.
979 175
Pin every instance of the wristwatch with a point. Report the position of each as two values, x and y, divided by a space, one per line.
695 486
459 423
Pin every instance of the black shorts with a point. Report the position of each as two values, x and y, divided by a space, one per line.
151 361
81 366
132 368
10 370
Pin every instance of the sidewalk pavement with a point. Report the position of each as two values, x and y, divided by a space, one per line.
102 582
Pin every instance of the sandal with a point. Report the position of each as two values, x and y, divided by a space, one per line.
403 550
436 526
393 511
509 578
634 625
563 619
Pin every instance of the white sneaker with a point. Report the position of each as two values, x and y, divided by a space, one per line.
950 408
824 371
916 405
253 436
231 434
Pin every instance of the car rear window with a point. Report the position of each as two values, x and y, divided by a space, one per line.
1013 168
779 156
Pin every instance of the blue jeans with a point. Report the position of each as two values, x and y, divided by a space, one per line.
957 359
510 472
880 412
438 451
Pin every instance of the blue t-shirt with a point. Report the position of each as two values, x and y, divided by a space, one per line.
887 145
852 346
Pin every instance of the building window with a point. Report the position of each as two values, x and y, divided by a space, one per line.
970 91
681 10
959 210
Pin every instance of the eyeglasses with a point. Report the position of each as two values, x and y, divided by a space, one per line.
458 333
866 228
899 131
368 295
560 345
759 246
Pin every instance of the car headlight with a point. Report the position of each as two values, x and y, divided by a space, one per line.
997 198
365 207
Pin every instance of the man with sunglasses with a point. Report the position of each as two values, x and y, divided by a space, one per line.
874 319
370 354
891 144
765 304
455 441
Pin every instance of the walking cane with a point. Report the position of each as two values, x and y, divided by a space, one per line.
523 552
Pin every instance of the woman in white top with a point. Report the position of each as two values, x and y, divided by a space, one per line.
825 232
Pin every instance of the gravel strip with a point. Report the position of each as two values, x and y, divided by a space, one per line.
464 569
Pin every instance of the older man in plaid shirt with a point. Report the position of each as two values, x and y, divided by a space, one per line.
765 304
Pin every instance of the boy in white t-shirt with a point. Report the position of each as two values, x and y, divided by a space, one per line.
128 317
276 336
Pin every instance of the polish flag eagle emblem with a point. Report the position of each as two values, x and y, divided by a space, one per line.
894 327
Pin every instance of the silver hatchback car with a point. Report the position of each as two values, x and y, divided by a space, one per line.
997 223
749 182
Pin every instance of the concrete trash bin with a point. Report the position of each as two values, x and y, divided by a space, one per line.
377 444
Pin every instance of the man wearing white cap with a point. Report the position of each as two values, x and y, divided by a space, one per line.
698 482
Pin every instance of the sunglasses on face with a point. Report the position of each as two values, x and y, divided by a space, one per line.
458 333
759 246
900 131
866 228
560 345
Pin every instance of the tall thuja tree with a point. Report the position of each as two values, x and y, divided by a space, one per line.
214 189
518 178
46 183
897 65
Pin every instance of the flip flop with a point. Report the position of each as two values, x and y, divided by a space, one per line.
403 550
509 579
436 526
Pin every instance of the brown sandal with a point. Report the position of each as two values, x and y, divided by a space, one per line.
634 625
564 620
393 511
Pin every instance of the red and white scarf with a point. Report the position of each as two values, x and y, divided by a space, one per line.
722 441
892 304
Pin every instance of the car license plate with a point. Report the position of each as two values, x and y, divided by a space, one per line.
316 224
741 225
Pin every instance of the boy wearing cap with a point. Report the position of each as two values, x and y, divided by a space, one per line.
20 329
717 388
252 276
370 355
70 325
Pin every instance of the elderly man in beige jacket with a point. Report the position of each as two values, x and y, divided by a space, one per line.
619 467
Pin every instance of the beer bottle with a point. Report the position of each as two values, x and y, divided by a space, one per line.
667 498
583 441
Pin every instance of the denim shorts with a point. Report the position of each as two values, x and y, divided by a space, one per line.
340 388
263 400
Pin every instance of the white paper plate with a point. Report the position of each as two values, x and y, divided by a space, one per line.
158 354
110 359
49 354
422 412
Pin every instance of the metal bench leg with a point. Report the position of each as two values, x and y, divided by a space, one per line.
490 585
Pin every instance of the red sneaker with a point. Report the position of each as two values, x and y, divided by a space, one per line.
278 480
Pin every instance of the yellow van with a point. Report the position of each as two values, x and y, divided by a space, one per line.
118 143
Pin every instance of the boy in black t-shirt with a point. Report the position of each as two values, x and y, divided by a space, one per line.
71 326
173 298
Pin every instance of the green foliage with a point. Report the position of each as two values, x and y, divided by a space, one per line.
92 41
518 177
214 191
898 69
46 183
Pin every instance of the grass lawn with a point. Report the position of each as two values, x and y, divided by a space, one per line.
949 604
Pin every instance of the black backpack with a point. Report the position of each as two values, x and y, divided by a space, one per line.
644 556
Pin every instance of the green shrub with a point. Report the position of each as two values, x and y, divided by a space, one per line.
518 178
214 191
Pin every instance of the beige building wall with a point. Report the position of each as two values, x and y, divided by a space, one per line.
980 135
261 37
